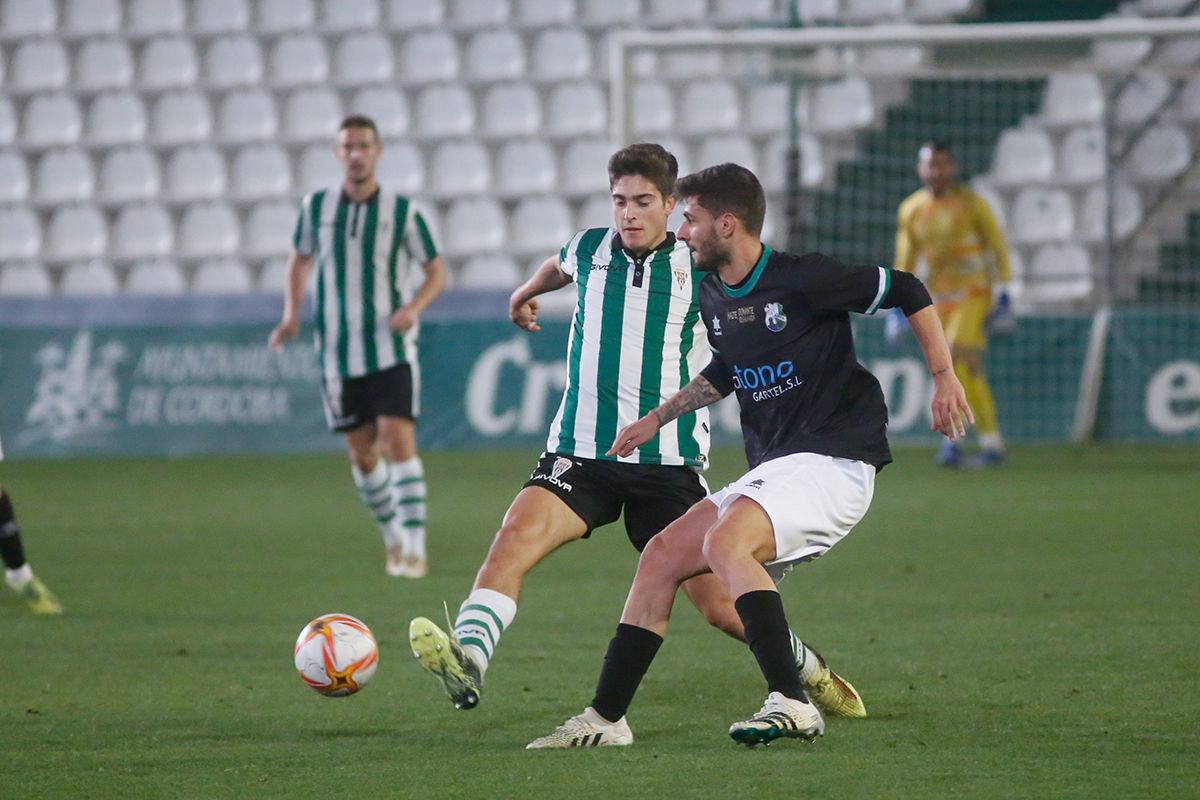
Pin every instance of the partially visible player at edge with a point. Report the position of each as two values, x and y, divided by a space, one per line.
954 230
363 239
632 345
814 423
17 572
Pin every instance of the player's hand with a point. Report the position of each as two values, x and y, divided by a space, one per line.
524 315
1002 320
950 409
284 332
895 324
631 437
403 319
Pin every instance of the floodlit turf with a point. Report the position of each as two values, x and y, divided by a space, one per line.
1030 632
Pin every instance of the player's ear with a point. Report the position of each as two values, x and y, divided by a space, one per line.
669 203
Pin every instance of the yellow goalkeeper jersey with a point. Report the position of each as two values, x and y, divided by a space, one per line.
958 237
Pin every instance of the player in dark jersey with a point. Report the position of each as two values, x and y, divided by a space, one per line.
814 423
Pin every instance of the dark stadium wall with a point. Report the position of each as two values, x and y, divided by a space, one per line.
1044 10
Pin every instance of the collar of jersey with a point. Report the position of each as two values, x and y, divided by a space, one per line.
345 198
748 284
617 244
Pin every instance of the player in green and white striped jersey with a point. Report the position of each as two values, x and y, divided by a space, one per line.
363 241
632 344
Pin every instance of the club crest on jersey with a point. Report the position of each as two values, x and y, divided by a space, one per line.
776 320
561 465
680 278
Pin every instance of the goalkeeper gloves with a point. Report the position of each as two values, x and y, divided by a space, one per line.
1002 320
894 326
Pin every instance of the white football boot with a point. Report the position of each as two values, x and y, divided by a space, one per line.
779 716
588 729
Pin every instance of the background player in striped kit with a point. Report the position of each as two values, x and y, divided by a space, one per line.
363 240
632 345
17 572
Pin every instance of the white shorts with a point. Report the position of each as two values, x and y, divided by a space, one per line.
812 500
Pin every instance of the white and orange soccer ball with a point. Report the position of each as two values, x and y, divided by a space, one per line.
336 654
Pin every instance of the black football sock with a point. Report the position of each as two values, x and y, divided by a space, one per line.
770 640
629 656
10 536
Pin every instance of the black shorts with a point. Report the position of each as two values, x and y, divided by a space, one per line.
651 495
353 402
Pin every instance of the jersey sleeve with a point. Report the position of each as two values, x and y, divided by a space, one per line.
304 240
992 238
418 237
717 373
832 285
568 262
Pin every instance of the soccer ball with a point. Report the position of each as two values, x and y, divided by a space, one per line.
336 654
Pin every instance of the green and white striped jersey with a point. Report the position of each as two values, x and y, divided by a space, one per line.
632 345
364 254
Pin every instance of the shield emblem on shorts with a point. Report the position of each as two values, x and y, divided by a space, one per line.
561 465
776 319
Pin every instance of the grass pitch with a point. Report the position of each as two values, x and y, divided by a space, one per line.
1024 633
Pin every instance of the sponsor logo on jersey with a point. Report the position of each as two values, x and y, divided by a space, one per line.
757 483
741 315
766 380
776 319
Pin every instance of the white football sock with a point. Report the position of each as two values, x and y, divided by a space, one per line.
482 618
806 659
376 492
408 483
18 577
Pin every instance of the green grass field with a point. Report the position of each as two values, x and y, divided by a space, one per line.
1025 633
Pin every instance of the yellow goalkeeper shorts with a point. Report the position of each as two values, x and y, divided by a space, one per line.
963 316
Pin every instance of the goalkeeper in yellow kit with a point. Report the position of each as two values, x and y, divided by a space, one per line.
954 231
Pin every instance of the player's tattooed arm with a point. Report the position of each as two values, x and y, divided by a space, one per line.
697 394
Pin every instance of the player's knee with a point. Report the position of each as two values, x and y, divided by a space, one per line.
364 459
718 549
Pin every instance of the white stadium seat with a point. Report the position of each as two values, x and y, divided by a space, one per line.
90 18
402 168
155 17
1116 54
318 169
687 65
444 111
1041 215
247 115
560 54
1142 97
407 15
583 169
350 15
8 121
311 114
1161 153
609 13
386 106
478 13
1022 155
25 279
24 18
208 229
745 12
233 61
596 212
20 234
543 13
195 173
428 57
128 174
1161 8
260 170
221 276
76 231
142 230
540 224
281 16
219 16
1082 158
1059 273
494 55
767 109
92 278
937 10
14 177
871 12
709 107
474 225
64 176
884 61
676 13
817 12
578 108
269 228
1072 98
155 277
1094 212
102 64
525 167
1187 104
181 117
1176 53
168 63
841 106
490 271
775 153
297 59
728 147
38 65
460 168
363 58
511 109
653 108
116 118
273 277
51 119
995 202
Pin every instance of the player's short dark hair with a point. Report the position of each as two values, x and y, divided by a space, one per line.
937 146
360 121
651 161
727 189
